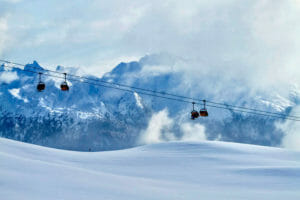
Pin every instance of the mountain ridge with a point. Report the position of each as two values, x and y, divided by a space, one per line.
110 119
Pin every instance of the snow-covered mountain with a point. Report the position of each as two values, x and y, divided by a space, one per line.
99 118
174 170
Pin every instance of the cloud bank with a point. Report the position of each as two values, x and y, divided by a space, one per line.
8 77
161 129
291 129
256 40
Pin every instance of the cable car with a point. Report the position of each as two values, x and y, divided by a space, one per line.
40 86
203 112
64 85
194 113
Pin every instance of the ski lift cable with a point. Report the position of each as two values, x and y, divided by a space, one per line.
254 113
169 98
97 80
98 84
129 89
250 109
153 91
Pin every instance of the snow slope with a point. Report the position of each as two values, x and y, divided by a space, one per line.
175 170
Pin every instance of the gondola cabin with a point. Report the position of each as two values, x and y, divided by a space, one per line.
64 86
41 86
194 114
203 113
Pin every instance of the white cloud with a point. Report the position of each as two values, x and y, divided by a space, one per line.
155 70
291 129
13 1
8 76
160 130
256 40
158 125
193 132
252 42
3 34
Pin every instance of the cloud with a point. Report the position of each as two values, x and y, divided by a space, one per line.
3 34
291 139
231 50
13 1
161 129
193 132
158 130
256 40
8 77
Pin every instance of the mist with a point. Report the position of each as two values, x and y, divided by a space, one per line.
161 129
256 41
291 139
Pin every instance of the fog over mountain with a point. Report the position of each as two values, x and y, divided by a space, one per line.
99 118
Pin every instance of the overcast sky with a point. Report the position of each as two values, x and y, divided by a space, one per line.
256 39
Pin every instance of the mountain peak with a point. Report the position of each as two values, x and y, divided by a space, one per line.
34 65
126 67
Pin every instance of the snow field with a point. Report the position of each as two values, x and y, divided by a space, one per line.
174 170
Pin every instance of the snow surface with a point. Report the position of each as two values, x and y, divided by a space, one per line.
174 170
16 93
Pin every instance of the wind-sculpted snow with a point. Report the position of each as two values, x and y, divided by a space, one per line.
99 118
174 170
